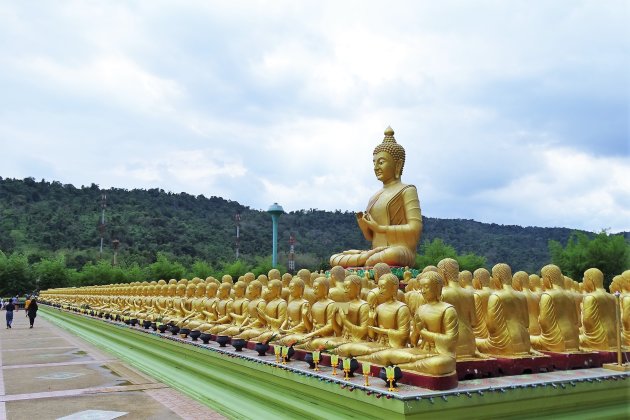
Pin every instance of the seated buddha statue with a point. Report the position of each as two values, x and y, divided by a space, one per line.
391 324
337 277
598 314
235 309
465 280
298 313
286 282
435 341
354 319
374 297
559 331
481 285
186 305
392 221
176 312
252 319
624 303
463 300
521 283
195 317
321 318
507 318
273 315
309 295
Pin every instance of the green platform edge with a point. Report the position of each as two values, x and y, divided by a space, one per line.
239 388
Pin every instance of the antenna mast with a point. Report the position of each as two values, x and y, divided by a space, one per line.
291 253
101 226
237 222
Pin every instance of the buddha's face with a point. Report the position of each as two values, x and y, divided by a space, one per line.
384 166
351 289
385 289
224 291
319 289
239 290
429 290
295 290
211 291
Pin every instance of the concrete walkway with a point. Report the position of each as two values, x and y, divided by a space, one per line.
47 373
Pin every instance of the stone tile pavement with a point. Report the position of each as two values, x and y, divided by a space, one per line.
47 373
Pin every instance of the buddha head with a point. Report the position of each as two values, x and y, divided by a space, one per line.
388 286
352 286
337 274
465 278
254 289
552 277
481 278
380 269
224 290
305 275
239 288
274 274
321 287
431 285
275 288
296 288
388 158
520 281
211 289
227 279
449 270
200 290
595 276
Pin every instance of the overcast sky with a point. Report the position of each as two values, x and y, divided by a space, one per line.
513 112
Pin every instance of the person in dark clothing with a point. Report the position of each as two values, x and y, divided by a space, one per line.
10 307
32 311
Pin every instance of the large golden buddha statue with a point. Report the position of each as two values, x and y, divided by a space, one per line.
598 314
392 220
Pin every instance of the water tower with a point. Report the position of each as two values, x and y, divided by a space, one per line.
275 210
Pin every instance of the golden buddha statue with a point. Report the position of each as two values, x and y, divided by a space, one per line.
507 318
195 316
391 323
392 221
413 297
175 312
465 280
598 314
481 285
463 300
558 320
286 281
354 318
321 317
521 283
252 319
209 306
337 277
234 312
305 276
298 313
186 305
435 340
273 315
535 285
624 303
374 297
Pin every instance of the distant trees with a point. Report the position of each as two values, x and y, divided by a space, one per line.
609 253
431 252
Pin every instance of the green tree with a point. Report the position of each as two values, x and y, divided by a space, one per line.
51 273
201 269
609 253
165 269
16 275
432 252
235 269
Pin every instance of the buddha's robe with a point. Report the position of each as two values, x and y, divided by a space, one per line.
558 323
394 317
399 210
507 320
598 321
463 301
481 296
434 356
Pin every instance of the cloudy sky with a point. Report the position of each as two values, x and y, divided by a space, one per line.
513 112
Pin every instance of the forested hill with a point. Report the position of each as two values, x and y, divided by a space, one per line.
39 218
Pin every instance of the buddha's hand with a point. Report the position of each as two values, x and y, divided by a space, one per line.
306 309
261 313
372 225
378 330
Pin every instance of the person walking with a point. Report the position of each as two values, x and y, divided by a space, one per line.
32 311
10 307
26 303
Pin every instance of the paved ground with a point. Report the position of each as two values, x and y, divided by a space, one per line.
46 373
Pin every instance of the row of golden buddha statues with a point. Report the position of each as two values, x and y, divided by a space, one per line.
443 315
